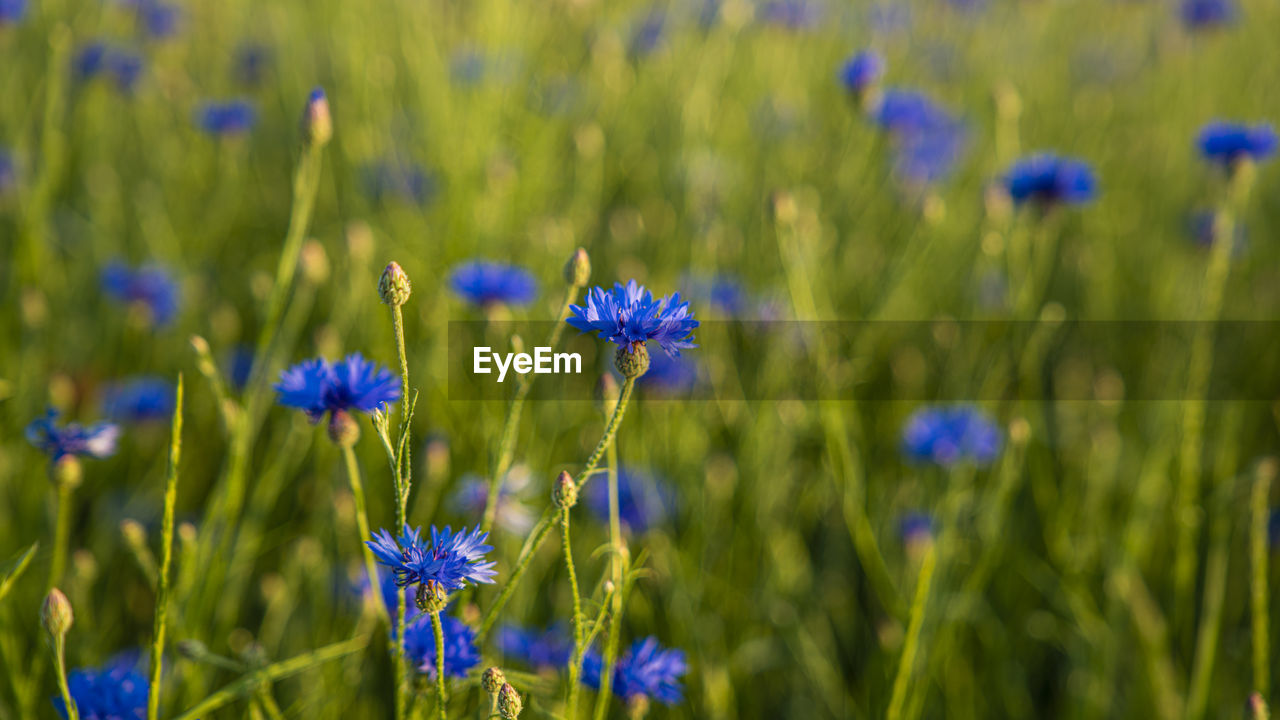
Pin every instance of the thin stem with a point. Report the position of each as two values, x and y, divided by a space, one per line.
575 658
362 521
1260 558
60 668
438 629
906 663
506 445
402 458
166 556
61 533
615 611
539 532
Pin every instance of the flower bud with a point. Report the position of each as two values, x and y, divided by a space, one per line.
393 286
56 615
492 680
509 704
565 492
431 597
344 430
317 123
632 360
66 472
577 272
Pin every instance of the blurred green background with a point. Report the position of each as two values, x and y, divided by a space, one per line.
520 131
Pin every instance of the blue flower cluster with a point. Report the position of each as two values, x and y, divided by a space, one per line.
149 287
647 669
353 384
929 141
629 315
121 65
115 691
949 435
139 399
226 119
96 441
644 499
1049 179
450 560
1227 143
480 282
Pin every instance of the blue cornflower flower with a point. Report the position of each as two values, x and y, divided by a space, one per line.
115 691
645 670
386 179
666 374
451 560
792 14
862 72
352 384
538 649
160 19
97 441
629 316
484 283
948 435
11 11
906 112
460 651
1049 179
916 527
139 399
148 286
124 67
644 499
240 367
1206 14
928 157
1227 143
233 117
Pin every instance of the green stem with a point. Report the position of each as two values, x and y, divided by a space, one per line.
539 532
60 668
61 533
507 442
362 522
575 658
1260 558
166 556
405 468
438 630
906 663
615 612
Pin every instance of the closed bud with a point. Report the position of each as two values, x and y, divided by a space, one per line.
632 360
492 680
66 472
344 430
56 615
393 286
565 492
431 597
1258 707
577 272
317 123
509 703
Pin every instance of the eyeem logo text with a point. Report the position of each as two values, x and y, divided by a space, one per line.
542 362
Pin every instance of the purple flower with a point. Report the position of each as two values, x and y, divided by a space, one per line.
946 436
1227 143
484 283
451 560
645 670
1207 14
225 119
630 316
124 67
353 384
148 286
1048 179
862 71
11 11
96 441
460 651
115 691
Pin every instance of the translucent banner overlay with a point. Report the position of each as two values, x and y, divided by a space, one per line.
881 361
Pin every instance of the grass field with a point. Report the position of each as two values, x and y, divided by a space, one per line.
947 447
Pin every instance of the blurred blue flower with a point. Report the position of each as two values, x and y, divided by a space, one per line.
451 560
1203 228
159 19
929 157
148 286
948 435
648 32
124 67
484 283
540 650
8 172
1049 179
11 11
673 375
232 117
139 399
862 71
1227 143
386 179
1206 14
115 691
512 514
724 293
644 499
645 670
915 527
460 651
317 386
907 112
252 61
1273 529
240 366
96 441
629 315
792 14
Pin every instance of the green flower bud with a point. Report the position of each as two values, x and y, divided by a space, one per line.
632 360
66 472
577 272
393 286
344 430
565 491
431 597
492 680
56 615
509 704
317 123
